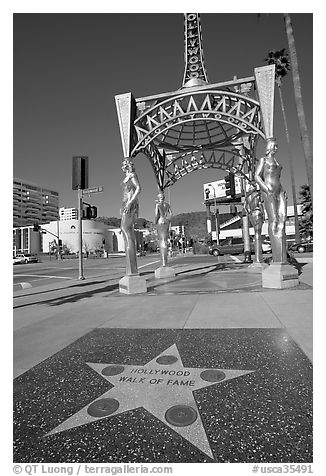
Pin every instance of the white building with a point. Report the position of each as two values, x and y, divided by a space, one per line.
118 244
227 228
68 213
96 236
33 204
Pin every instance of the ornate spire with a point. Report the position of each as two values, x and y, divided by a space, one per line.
195 73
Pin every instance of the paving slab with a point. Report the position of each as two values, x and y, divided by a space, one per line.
229 310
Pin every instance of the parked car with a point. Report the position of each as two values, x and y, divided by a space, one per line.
302 247
27 258
18 260
229 245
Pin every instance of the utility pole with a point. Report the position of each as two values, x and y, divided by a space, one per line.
80 234
58 248
80 183
216 214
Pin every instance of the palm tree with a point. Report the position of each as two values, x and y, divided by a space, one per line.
299 102
306 222
282 67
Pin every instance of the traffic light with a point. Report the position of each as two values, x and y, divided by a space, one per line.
36 227
233 210
229 185
89 211
60 245
79 172
93 212
181 229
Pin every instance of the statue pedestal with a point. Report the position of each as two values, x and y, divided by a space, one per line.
132 285
164 272
257 267
280 276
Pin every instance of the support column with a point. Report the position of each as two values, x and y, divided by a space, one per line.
132 283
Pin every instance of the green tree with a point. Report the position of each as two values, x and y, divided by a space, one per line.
282 66
306 221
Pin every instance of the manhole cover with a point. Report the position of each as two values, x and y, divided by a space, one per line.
103 407
181 415
166 359
212 375
113 370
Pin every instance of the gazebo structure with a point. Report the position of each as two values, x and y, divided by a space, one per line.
201 125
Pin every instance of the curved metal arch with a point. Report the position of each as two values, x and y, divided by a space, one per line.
185 94
235 110
239 125
169 169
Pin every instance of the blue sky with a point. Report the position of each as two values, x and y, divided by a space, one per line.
69 67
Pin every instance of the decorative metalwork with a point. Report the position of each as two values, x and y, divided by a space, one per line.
125 104
201 125
163 215
195 73
268 177
129 215
255 210
265 81
199 119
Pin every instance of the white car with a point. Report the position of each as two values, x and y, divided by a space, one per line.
18 260
27 258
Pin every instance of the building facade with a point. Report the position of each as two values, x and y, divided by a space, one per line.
232 225
33 204
96 236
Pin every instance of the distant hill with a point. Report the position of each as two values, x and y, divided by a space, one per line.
194 223
113 221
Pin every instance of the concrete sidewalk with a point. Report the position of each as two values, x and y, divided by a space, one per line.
50 318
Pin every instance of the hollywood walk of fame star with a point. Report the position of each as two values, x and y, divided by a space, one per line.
163 386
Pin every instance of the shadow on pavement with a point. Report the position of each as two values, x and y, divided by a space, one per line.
77 296
292 261
71 298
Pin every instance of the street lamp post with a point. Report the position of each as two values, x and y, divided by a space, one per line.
216 216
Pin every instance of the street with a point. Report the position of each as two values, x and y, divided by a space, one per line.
46 272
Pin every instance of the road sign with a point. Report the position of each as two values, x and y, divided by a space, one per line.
89 191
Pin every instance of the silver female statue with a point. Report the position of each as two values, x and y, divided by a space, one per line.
254 208
268 174
129 214
163 215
